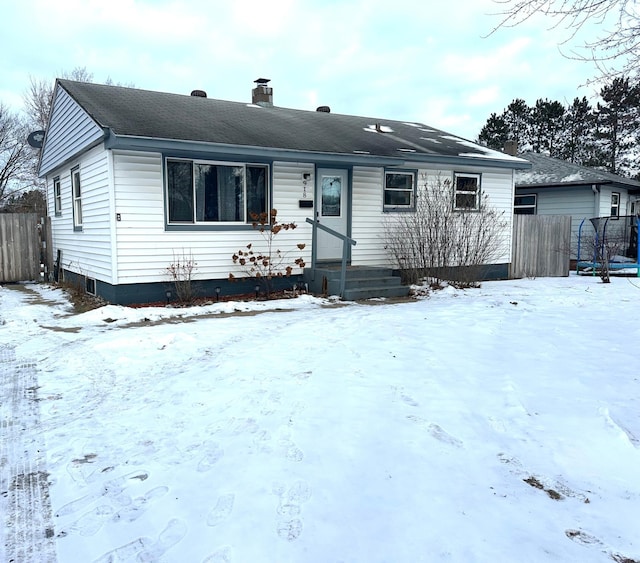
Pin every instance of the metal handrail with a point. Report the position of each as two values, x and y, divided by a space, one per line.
345 242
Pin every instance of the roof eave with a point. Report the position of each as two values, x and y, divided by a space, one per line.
126 142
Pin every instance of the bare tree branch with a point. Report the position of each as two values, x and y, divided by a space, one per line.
620 44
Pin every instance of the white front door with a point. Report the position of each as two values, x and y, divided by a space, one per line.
331 211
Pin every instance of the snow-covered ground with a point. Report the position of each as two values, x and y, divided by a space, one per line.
494 424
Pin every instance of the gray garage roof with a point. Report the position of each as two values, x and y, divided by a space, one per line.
553 172
129 112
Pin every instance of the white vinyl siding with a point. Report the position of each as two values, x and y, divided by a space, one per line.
86 252
369 219
71 130
578 203
145 248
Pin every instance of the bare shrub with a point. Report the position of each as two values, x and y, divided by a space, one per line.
442 243
269 262
180 273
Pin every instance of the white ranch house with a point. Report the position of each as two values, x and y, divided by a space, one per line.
137 178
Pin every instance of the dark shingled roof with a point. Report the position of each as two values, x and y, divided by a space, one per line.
553 172
141 113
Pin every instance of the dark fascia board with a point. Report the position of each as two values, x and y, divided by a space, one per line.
73 158
560 185
148 144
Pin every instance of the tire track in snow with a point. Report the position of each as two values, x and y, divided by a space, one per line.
24 488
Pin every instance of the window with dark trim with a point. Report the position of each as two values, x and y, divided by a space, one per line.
76 194
615 204
215 192
525 204
466 191
399 190
90 286
57 196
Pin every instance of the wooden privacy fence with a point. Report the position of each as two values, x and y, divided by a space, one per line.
541 246
25 244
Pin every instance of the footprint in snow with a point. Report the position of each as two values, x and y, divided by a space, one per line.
126 552
437 431
409 401
170 536
222 510
588 540
288 526
439 434
289 450
89 523
581 537
139 506
221 555
213 454
290 530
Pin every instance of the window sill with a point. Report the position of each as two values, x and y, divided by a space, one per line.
209 227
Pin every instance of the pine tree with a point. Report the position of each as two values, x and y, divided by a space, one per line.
546 123
618 120
495 133
578 136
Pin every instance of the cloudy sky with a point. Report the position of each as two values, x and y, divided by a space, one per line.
433 61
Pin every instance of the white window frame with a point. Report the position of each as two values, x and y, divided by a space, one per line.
412 191
217 224
57 196
533 206
76 195
457 192
615 206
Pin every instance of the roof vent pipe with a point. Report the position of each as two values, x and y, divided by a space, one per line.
323 109
198 93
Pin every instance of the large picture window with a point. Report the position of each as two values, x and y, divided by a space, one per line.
399 190
466 191
211 192
76 192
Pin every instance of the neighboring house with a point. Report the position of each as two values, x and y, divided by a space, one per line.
558 187
136 179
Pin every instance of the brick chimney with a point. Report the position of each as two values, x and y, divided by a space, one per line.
262 95
510 148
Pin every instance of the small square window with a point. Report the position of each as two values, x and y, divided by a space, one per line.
466 191
525 204
90 286
399 190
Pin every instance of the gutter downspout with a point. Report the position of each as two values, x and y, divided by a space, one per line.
596 200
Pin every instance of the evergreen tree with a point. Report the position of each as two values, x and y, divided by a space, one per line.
579 133
518 119
618 120
495 133
546 123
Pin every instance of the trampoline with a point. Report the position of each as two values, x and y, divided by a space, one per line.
611 241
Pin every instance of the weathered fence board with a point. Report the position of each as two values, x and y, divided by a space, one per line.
541 246
21 246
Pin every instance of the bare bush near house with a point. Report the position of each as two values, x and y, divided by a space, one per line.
442 243
180 273
269 262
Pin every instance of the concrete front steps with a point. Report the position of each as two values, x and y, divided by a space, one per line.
362 282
